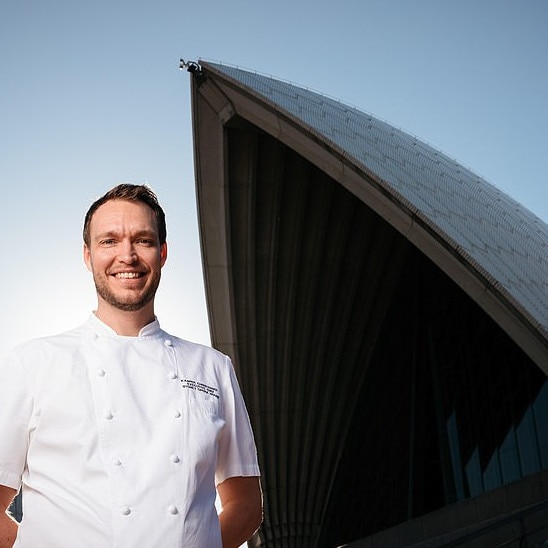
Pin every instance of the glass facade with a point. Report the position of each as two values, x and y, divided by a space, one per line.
384 392
452 407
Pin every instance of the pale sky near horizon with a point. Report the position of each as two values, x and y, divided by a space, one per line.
91 95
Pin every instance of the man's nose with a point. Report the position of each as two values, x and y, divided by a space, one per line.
127 253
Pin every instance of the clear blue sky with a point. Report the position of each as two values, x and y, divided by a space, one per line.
91 95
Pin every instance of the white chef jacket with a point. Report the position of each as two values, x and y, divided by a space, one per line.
120 441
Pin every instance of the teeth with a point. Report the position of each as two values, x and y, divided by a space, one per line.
127 275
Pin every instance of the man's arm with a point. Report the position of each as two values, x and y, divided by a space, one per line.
241 509
8 526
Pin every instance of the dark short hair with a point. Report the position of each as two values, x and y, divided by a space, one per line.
130 193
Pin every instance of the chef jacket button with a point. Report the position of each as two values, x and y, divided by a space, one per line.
109 415
177 414
173 375
173 509
101 372
125 510
174 458
168 342
116 462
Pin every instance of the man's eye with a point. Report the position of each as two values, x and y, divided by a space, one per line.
145 241
108 241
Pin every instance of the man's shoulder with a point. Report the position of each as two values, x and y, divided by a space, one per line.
202 353
194 347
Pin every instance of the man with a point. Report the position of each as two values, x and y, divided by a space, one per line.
118 433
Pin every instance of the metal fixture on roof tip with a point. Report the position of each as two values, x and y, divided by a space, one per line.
191 66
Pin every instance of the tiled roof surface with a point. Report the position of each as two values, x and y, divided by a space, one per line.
494 233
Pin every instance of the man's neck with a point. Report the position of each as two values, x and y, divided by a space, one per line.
126 324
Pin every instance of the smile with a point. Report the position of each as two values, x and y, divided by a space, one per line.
128 275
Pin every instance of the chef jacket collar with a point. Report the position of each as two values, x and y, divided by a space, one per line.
101 329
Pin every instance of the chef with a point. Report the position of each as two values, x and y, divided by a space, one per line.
117 433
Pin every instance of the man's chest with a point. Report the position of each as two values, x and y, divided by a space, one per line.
115 404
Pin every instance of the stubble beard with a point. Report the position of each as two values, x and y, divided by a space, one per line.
130 304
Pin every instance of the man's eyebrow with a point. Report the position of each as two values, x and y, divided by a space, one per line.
137 234
106 234
148 233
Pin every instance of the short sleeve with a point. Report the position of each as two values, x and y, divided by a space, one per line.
15 411
237 454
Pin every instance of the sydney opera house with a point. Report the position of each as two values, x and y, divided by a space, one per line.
387 313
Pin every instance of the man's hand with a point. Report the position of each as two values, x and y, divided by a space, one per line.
8 526
241 509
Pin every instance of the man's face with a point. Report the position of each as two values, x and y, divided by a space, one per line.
125 255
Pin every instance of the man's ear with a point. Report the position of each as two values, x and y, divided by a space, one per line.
87 257
163 254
